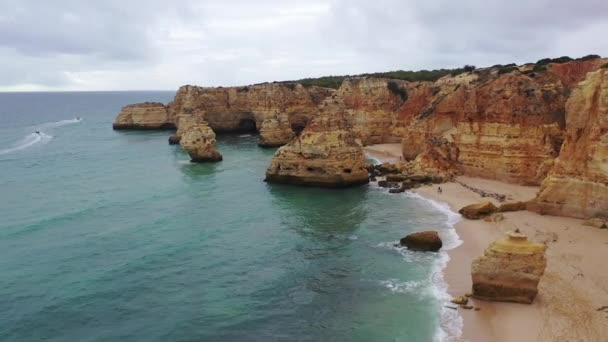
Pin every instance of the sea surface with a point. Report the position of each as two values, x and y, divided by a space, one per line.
116 236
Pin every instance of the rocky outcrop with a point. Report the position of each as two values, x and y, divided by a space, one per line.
183 122
371 106
239 109
328 153
577 185
509 270
427 241
478 211
147 115
199 142
275 131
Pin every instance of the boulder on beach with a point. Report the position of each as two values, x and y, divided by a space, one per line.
512 206
426 241
509 270
477 211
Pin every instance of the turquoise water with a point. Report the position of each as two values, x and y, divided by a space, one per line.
110 236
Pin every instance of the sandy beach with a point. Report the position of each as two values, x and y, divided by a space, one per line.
575 284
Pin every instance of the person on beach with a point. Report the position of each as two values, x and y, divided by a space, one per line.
439 191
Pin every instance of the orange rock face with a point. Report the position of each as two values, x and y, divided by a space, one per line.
578 184
328 153
147 115
245 108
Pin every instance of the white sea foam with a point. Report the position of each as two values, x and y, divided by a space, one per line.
451 324
244 135
374 160
397 286
28 141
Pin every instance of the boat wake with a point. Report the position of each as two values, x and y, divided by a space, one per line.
58 123
38 138
29 141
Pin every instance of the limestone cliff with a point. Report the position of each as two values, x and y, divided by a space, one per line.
147 115
506 126
371 106
183 122
328 153
578 183
275 131
199 142
509 270
245 108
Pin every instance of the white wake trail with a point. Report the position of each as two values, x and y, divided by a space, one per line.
28 141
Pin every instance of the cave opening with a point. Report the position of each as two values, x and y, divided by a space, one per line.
297 128
247 126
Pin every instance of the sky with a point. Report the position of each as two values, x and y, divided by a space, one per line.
161 45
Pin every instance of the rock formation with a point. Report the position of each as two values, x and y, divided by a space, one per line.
240 109
275 131
477 211
509 270
577 185
147 115
328 154
183 122
199 142
427 241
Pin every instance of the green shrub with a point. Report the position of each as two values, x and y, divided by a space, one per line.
605 66
397 90
589 57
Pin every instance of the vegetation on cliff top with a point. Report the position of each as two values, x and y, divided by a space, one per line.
434 75
420 75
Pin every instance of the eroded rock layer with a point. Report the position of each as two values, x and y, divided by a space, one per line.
327 153
237 109
275 131
199 142
147 115
509 270
578 183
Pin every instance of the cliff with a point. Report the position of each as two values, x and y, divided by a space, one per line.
328 153
578 183
507 126
147 115
235 109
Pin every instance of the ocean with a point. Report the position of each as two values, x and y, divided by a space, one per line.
113 235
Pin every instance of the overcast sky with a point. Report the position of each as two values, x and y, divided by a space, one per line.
152 44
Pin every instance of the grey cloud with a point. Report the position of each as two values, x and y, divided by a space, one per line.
69 44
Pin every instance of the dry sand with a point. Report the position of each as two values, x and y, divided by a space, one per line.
575 284
390 153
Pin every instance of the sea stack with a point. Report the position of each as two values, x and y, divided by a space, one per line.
199 141
183 122
509 270
147 115
275 131
328 153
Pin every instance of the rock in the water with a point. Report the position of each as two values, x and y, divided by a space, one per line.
199 141
147 115
477 211
512 206
328 153
275 131
509 270
422 241
183 122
